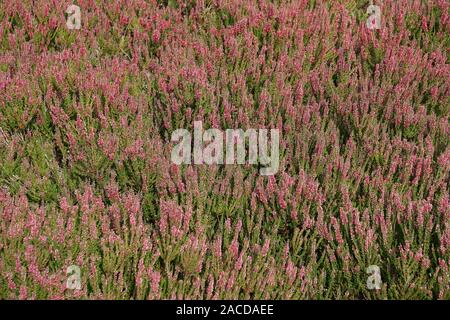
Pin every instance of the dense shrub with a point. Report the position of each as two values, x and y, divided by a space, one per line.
86 177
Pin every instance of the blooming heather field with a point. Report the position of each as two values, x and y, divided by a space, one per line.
87 180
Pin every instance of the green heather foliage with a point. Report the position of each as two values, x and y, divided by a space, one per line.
86 177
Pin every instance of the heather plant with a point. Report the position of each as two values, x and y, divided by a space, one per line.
86 176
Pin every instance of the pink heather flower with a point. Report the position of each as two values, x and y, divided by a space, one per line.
230 283
139 279
239 262
11 284
265 248
369 239
112 191
155 278
261 193
291 271
281 200
294 213
146 245
172 215
210 289
132 206
308 223
136 149
23 292
93 229
217 249
156 35
234 248
227 225
271 277
163 223
426 262
238 227
109 146
418 256
19 268
64 205
176 232
337 230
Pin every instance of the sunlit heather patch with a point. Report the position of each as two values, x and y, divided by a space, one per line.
358 207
